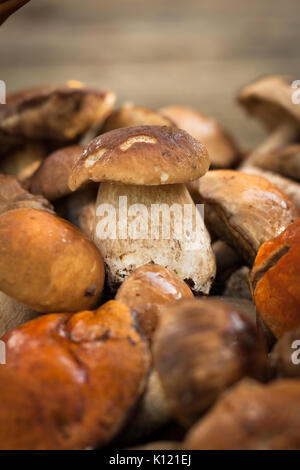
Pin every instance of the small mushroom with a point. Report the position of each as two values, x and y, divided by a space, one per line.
251 417
285 161
201 348
130 115
269 99
285 356
71 381
275 281
47 263
245 210
147 290
59 114
24 161
222 149
143 169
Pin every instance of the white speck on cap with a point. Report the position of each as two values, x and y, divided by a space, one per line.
92 159
138 138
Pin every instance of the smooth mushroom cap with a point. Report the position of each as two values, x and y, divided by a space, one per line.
51 178
47 263
55 113
270 100
251 417
275 279
143 155
222 149
71 380
285 161
245 209
201 348
147 290
14 196
130 115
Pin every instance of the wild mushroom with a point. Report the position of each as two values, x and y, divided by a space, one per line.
130 115
47 263
270 100
251 417
143 171
24 161
71 381
275 281
222 149
244 210
59 114
147 290
201 348
285 161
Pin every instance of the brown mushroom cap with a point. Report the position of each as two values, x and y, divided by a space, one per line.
143 155
130 115
251 417
14 196
55 113
51 178
147 290
269 99
202 347
244 209
221 148
47 263
71 380
285 161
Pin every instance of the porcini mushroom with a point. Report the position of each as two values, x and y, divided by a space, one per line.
130 115
222 149
202 347
251 417
147 290
275 281
59 114
284 161
143 171
47 263
24 161
71 381
245 210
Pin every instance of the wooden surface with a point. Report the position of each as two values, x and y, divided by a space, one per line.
156 52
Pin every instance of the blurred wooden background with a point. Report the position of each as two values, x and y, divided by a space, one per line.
156 52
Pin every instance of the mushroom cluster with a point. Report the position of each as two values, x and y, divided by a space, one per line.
149 274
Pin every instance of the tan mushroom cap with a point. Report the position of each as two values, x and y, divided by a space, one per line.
221 147
47 263
71 380
251 417
130 115
244 209
55 113
143 155
270 100
51 178
14 196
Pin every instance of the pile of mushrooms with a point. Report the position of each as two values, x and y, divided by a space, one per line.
118 332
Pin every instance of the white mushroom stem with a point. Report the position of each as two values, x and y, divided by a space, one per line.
136 225
283 135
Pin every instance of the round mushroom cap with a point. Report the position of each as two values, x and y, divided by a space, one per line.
275 279
71 380
47 263
51 178
143 155
222 149
147 290
55 113
130 115
270 100
202 347
245 210
251 417
14 196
